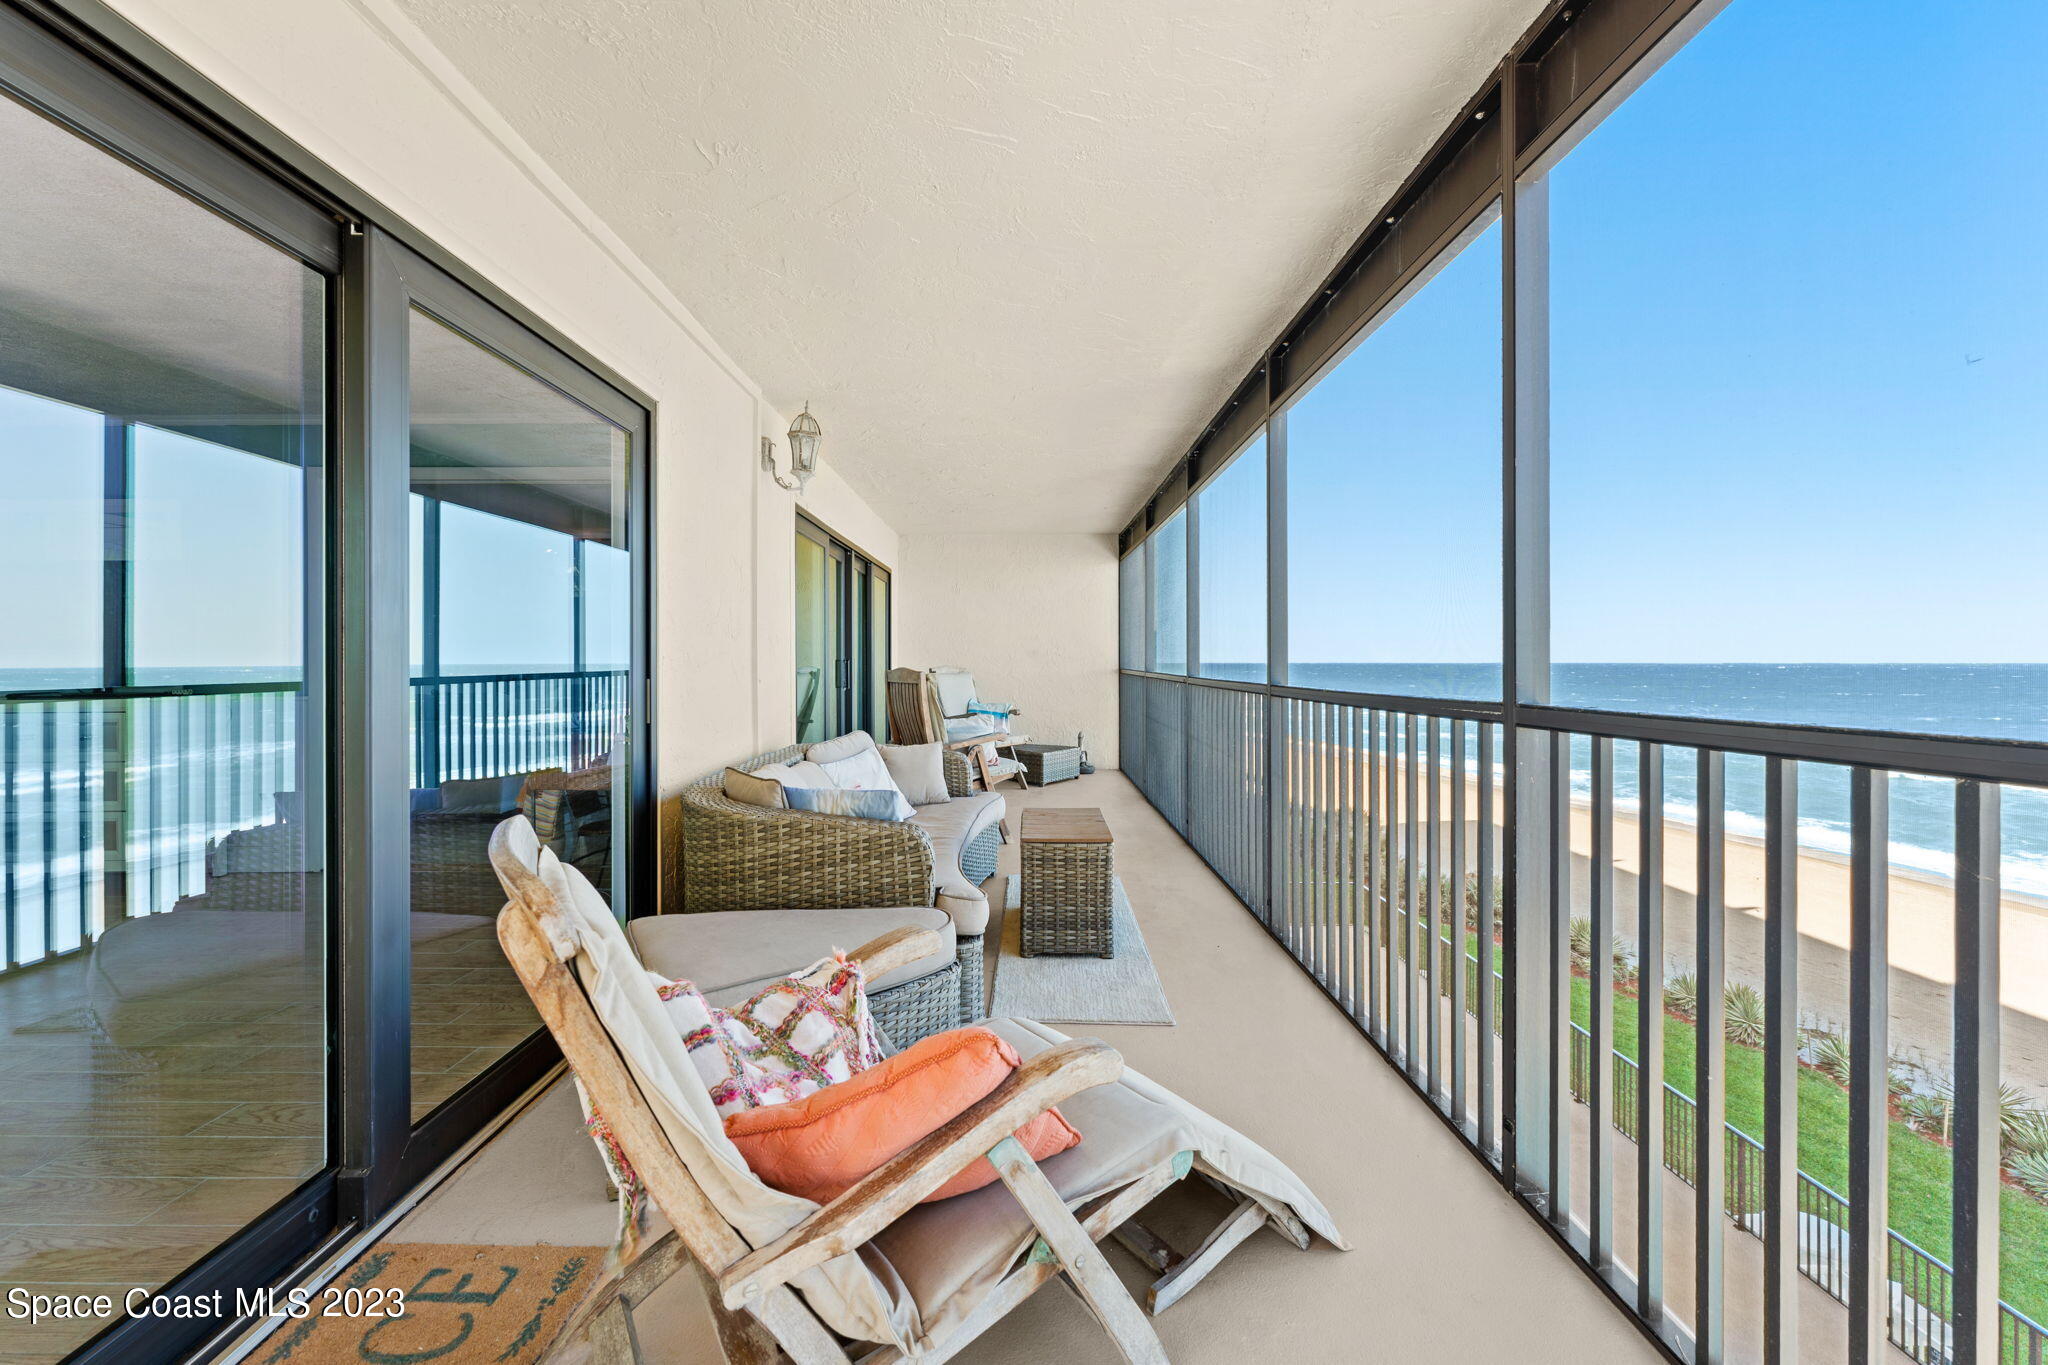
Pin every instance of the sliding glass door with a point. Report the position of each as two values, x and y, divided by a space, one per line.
522 599
319 564
163 854
842 637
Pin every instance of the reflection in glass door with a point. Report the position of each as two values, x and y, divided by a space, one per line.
842 637
522 639
818 644
163 991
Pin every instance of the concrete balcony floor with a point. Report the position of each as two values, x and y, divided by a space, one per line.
1445 1268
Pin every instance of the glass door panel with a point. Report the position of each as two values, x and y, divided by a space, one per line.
523 596
878 653
817 639
163 987
842 637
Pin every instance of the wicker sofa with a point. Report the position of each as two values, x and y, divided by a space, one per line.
737 857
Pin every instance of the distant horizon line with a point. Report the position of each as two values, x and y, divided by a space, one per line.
1655 663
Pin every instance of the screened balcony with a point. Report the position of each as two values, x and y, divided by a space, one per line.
1529 508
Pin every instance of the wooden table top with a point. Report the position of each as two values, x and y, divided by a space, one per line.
1064 825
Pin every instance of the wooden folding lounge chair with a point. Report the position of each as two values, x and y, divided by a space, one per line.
872 1276
918 715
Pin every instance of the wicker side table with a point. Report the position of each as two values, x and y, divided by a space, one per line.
1047 763
1065 901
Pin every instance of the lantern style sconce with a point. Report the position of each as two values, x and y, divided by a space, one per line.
804 436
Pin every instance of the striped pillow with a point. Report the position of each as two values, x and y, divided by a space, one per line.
862 805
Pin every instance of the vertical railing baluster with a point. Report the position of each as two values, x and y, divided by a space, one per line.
1297 709
1710 1087
1650 1035
1974 1233
1781 1061
1320 934
1454 914
10 831
1559 1032
1869 1160
1354 866
1375 880
1431 895
1484 934
1600 1011
1411 978
92 909
46 806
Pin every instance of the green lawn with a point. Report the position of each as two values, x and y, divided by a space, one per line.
1919 1165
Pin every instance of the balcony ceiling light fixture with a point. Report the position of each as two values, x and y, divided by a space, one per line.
804 436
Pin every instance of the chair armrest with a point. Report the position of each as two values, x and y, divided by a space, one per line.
895 1187
897 948
959 774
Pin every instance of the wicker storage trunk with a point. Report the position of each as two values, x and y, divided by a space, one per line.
1045 763
1066 903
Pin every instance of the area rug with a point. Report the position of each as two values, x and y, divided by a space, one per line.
464 1305
1079 990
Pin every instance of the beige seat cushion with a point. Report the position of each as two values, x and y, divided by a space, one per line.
939 1249
731 950
951 824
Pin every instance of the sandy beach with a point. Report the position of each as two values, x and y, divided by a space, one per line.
1921 945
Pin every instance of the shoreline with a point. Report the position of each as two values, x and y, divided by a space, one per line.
1920 944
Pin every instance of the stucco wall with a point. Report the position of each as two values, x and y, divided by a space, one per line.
1034 617
357 86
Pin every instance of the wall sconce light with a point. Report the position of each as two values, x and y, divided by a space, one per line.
804 436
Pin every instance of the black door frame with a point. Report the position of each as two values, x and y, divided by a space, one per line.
855 702
87 68
386 1154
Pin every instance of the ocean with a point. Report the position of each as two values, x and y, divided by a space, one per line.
2005 701
2002 701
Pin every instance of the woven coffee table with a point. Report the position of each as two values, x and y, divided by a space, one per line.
1065 901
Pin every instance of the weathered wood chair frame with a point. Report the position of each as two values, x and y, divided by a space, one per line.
755 1309
911 720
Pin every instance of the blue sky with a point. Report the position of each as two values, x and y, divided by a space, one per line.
1799 380
1799 397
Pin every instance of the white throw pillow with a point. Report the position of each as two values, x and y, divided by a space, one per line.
919 772
846 746
865 772
796 775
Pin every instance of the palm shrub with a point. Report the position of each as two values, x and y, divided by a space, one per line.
1472 901
1928 1113
2022 1128
1830 1053
1682 993
1743 1021
2030 1169
1582 944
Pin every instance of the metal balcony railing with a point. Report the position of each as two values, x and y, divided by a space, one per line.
111 798
1348 826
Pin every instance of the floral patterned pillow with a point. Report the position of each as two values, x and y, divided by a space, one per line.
790 1039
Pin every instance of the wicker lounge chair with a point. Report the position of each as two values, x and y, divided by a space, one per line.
737 857
918 1281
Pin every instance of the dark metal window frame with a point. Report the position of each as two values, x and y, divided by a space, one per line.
83 65
855 705
1577 63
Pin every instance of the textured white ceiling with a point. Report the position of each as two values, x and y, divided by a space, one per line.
1013 252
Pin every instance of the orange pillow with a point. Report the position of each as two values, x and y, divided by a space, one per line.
819 1146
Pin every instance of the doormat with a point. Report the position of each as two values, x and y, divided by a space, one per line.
464 1305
